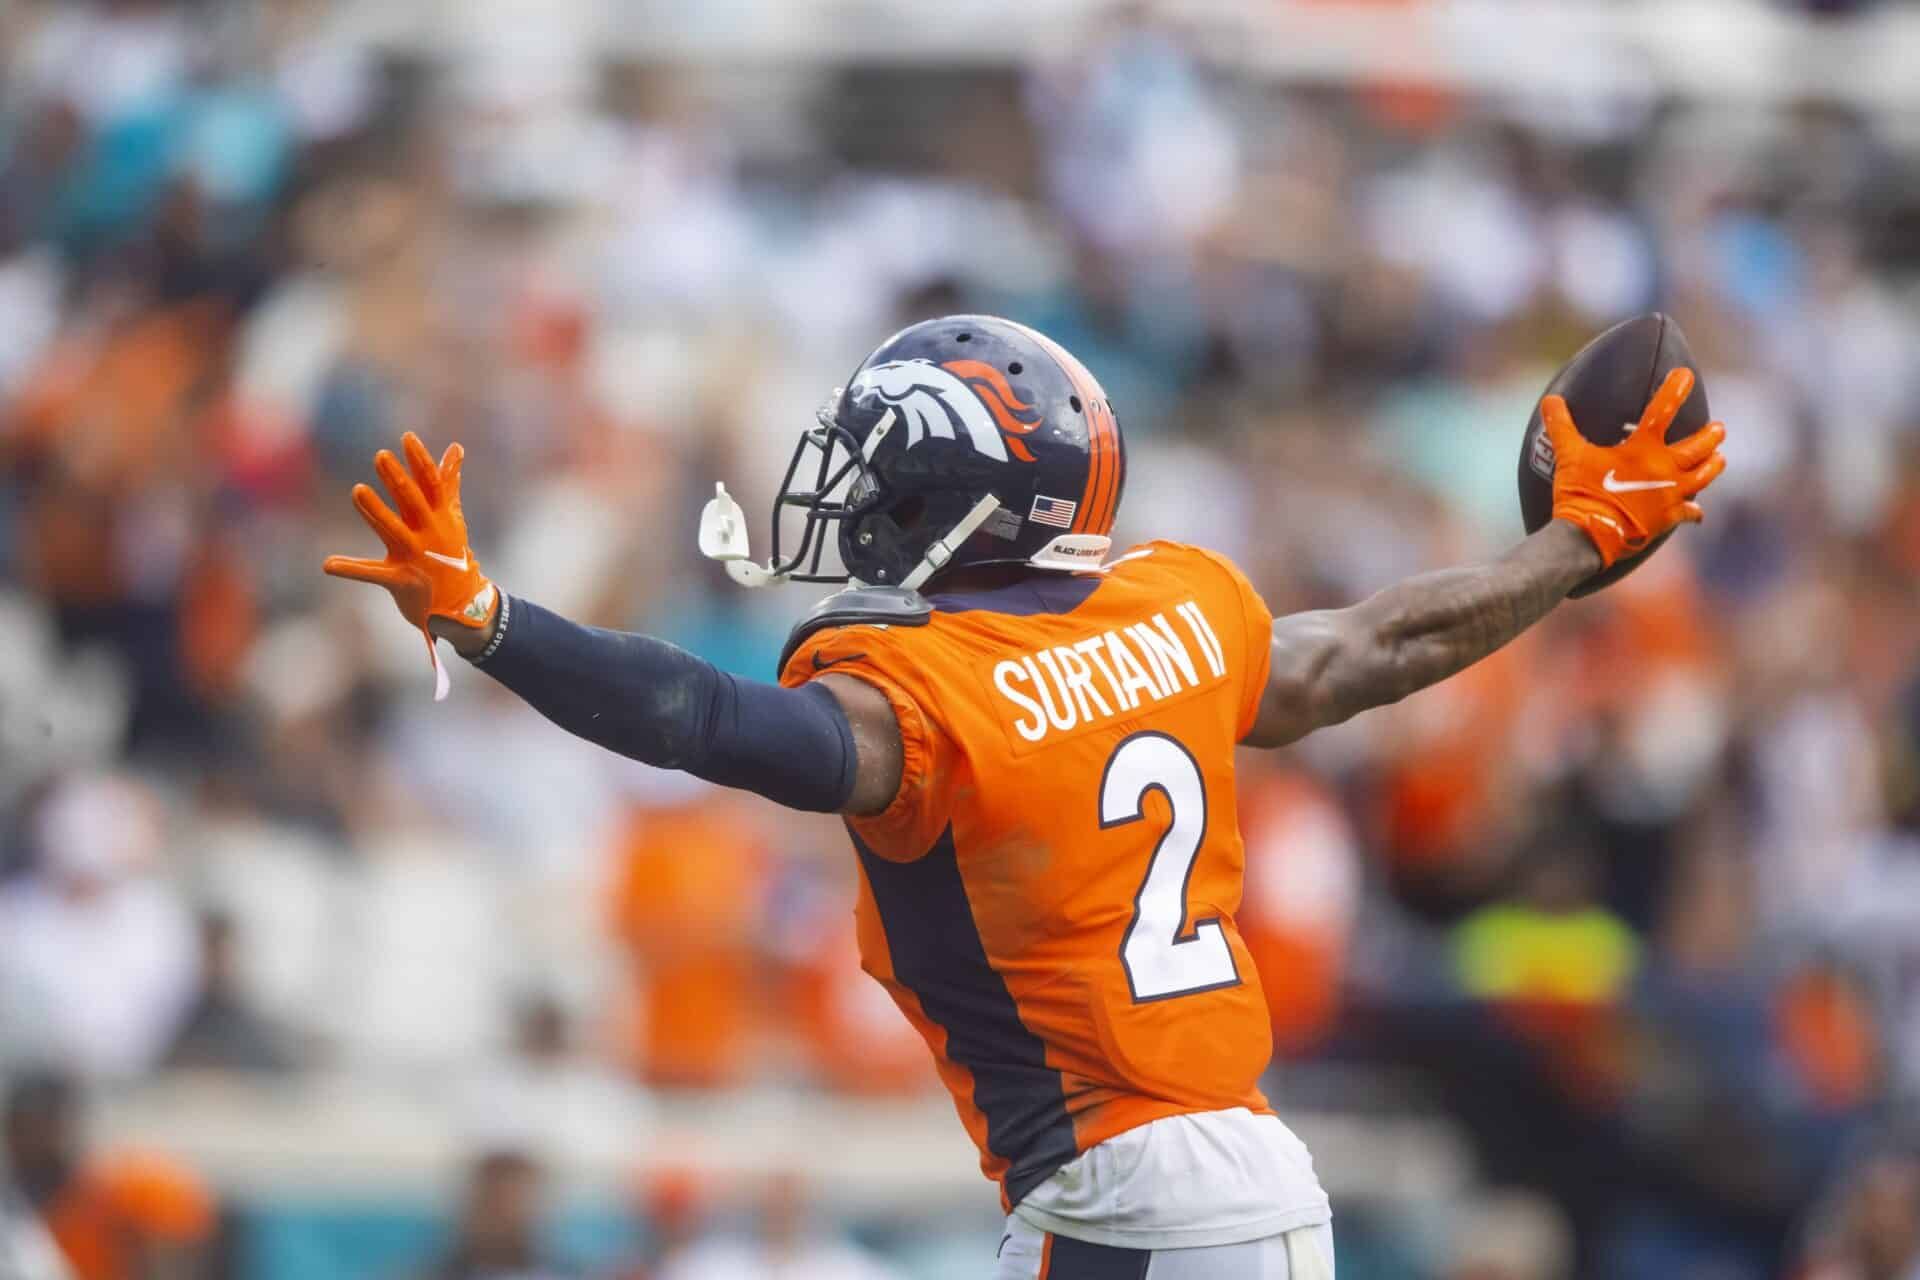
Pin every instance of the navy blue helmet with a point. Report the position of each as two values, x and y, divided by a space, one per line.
963 441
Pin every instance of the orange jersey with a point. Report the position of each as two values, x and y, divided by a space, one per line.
1050 897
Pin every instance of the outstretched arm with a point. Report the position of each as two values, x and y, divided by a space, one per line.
1331 665
829 746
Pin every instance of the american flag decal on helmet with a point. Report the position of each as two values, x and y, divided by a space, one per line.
1057 512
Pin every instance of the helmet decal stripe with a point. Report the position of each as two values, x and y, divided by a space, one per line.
1117 454
970 395
1096 477
1089 514
935 404
1101 424
1102 494
1016 417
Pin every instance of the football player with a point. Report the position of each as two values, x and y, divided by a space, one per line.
1032 743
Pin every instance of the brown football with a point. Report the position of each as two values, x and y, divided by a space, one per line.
1607 384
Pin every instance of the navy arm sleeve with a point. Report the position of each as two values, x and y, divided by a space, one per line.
659 704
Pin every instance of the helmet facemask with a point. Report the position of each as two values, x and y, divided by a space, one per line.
843 488
888 535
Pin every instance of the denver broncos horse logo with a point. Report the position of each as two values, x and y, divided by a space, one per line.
943 400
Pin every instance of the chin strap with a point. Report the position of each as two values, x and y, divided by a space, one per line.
942 551
723 537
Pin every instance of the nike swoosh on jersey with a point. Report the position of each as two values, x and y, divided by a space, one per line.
1612 483
822 666
461 563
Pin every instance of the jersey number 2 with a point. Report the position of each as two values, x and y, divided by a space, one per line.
1164 956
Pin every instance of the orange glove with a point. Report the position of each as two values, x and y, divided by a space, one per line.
1626 495
429 568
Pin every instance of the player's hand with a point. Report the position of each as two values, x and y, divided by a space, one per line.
429 568
1626 495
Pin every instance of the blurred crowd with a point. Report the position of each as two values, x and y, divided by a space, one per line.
1637 901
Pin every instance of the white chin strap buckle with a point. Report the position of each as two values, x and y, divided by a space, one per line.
723 537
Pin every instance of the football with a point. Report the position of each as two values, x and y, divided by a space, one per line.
1606 385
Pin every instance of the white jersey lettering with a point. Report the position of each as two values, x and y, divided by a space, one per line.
1066 687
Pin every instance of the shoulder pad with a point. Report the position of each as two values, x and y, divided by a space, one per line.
859 606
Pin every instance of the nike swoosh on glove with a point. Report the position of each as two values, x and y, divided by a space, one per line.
429 568
1626 495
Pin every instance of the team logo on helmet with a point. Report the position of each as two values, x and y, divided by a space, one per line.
942 401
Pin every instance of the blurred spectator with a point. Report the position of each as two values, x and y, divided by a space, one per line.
789 1245
98 964
548 1090
687 924
1144 160
29 1251
498 1232
1741 1089
1301 897
1552 945
850 1034
1509 1236
1877 1232
115 1216
221 1031
673 1205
